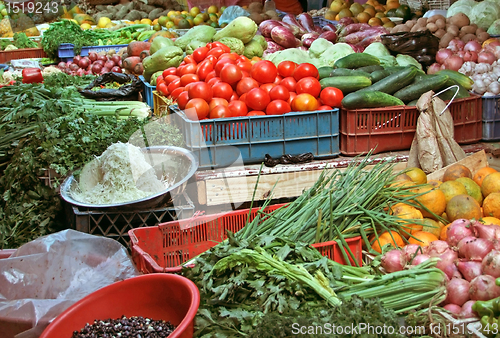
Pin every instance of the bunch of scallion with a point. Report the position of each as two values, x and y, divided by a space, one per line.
340 205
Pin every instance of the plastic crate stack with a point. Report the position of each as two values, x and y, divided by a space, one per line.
148 92
491 118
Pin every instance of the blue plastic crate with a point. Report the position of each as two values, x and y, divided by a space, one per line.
148 91
4 67
219 142
281 14
491 118
66 51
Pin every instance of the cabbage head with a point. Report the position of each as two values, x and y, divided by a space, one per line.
335 52
494 29
377 49
461 6
387 61
318 47
484 14
406 60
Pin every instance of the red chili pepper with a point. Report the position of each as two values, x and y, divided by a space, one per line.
32 75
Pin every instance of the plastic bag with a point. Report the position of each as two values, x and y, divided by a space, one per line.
421 45
288 159
46 276
231 13
127 92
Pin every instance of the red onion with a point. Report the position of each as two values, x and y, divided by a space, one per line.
458 229
491 264
451 271
453 308
393 261
437 248
447 258
486 57
486 231
120 63
456 44
454 62
116 59
84 63
467 310
420 259
469 269
80 72
472 46
116 69
92 56
61 65
103 58
88 72
475 249
443 54
96 68
461 54
470 56
410 250
483 288
73 67
104 70
109 64
77 58
434 68
457 291
100 62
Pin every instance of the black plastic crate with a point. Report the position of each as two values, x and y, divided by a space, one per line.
491 118
115 224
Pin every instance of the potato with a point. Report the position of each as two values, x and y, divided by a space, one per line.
479 31
482 37
460 19
439 33
405 28
415 28
422 22
445 40
435 18
467 37
440 23
432 27
410 23
453 30
468 29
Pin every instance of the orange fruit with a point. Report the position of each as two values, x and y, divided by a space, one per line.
490 220
444 234
433 199
422 238
363 17
482 173
455 171
491 205
490 184
432 226
330 15
473 189
386 238
392 4
434 183
451 189
388 24
408 214
416 175
463 206
370 10
375 22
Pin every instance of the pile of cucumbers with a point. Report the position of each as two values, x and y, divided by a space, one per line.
366 84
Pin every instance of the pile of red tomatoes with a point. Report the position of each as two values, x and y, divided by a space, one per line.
214 83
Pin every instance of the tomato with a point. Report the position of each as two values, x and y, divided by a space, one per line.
217 51
244 66
278 79
169 71
220 111
243 97
196 109
238 108
201 90
245 85
267 87
325 108
182 100
264 71
221 63
286 68
217 102
232 56
169 78
174 84
279 93
188 78
219 44
200 53
230 74
290 99
190 68
255 59
222 90
256 113
162 88
305 102
210 75
189 85
305 70
213 81
211 58
159 80
289 83
189 59
308 85
243 58
234 97
176 92
245 73
332 97
278 107
257 99
204 68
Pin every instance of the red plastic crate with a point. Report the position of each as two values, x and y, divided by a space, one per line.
26 53
165 247
393 128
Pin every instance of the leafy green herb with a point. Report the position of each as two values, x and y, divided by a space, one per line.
21 40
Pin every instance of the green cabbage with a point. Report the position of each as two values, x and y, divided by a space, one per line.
387 61
406 60
377 49
318 47
335 52
484 14
494 29
294 54
461 6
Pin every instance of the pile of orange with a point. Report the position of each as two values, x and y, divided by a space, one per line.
460 194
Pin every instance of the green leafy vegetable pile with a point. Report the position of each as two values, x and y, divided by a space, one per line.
20 40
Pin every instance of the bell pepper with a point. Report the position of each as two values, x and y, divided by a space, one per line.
32 75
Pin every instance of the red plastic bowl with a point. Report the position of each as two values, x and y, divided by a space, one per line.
158 296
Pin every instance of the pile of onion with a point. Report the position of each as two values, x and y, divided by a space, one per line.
92 64
470 258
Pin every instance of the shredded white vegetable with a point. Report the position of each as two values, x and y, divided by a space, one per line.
125 176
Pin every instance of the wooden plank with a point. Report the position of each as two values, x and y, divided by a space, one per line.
474 162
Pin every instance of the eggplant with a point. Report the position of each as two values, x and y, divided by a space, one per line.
284 37
353 28
307 42
369 40
345 21
291 20
329 35
266 27
356 37
296 31
330 27
306 21
273 47
312 35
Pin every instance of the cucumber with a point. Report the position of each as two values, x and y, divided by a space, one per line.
324 71
394 82
371 69
420 77
394 69
348 72
346 84
379 75
448 95
356 60
415 90
461 79
370 99
412 103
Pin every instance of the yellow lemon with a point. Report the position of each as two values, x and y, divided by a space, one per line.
85 26
103 21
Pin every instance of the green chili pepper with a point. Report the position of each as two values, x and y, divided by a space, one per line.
489 326
484 308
